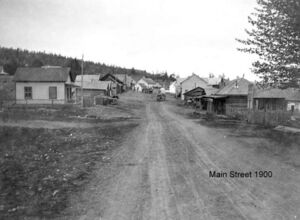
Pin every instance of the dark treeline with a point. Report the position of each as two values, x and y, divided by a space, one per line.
11 59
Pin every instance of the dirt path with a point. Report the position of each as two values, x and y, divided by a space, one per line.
161 171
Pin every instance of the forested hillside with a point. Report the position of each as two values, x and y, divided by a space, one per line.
11 59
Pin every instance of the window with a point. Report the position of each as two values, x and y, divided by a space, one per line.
28 92
52 92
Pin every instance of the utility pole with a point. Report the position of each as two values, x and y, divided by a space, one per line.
82 81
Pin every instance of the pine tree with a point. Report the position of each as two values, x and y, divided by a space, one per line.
75 67
275 38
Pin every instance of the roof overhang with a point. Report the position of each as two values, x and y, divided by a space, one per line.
215 96
71 84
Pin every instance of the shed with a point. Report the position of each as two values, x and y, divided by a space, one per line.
269 99
92 89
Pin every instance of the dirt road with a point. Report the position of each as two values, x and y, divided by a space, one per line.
161 171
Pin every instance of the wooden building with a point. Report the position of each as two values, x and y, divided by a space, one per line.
195 93
44 85
190 83
293 101
7 87
272 99
194 97
92 89
117 86
148 82
231 99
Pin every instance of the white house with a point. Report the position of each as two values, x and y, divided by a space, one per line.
172 88
175 87
44 85
139 87
148 82
192 82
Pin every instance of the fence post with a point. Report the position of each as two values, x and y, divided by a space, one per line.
264 118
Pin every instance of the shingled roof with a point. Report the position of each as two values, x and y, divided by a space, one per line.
110 76
294 95
94 85
290 94
186 79
149 81
87 78
196 92
43 74
235 87
271 93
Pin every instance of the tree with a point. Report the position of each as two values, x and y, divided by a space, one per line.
37 63
132 72
275 38
75 67
11 66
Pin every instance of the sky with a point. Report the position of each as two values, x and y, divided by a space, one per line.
177 36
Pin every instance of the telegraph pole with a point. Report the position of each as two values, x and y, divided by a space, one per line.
82 81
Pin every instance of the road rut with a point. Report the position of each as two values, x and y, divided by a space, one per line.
161 171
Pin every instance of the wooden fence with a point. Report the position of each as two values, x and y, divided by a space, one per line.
267 118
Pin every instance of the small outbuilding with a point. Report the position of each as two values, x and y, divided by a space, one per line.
271 99
92 89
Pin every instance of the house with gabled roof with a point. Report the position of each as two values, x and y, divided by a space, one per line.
148 82
44 85
231 99
175 87
192 82
136 78
117 86
274 99
126 79
140 87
